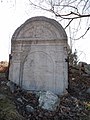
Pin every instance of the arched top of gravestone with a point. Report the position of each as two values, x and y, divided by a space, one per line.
40 28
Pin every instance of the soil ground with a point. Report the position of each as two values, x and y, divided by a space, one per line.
75 105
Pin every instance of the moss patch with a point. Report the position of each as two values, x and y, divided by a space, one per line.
8 110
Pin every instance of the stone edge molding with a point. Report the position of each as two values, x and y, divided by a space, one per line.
53 22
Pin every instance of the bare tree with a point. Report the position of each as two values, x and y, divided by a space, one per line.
73 13
11 3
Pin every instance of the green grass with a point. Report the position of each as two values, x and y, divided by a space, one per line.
8 110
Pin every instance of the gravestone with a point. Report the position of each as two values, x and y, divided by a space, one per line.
39 53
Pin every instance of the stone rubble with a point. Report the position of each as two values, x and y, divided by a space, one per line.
72 105
27 104
88 91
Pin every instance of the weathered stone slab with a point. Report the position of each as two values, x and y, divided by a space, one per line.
38 49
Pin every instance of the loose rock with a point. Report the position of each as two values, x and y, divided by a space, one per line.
29 108
88 91
49 101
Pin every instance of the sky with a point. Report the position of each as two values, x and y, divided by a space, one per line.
12 15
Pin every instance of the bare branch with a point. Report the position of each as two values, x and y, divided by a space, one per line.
39 6
65 6
83 34
85 5
75 15
69 23
72 13
68 11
